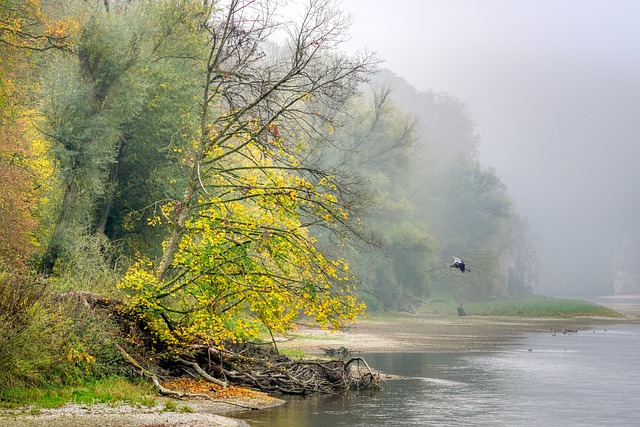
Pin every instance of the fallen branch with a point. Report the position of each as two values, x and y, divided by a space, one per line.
203 374
161 389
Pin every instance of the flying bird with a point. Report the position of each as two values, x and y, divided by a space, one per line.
458 263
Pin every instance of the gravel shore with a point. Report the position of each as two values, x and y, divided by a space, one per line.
202 413
94 416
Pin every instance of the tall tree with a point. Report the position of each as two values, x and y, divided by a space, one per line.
247 94
97 96
149 154
251 191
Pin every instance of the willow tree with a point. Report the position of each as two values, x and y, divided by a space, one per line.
95 99
240 254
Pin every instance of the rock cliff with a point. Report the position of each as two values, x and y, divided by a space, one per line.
626 267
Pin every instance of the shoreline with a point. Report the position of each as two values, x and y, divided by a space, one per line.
443 333
201 413
440 334
395 333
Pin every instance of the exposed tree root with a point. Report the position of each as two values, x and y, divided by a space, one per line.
161 389
258 367
277 373
366 380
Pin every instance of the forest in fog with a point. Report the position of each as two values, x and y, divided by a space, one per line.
223 170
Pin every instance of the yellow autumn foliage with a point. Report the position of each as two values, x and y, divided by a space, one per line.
246 261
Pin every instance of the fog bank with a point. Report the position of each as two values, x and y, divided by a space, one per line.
554 89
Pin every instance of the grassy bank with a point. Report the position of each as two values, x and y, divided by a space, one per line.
111 391
539 306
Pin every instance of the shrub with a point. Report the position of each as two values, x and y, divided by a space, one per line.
31 332
46 338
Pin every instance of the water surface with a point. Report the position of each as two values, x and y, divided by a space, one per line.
589 378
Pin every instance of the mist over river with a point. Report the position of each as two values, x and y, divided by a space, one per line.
588 378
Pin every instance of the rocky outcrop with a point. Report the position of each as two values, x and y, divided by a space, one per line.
626 267
519 268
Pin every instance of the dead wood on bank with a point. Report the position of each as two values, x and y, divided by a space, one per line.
145 372
258 367
271 372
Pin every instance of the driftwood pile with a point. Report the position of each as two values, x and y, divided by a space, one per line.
258 367
268 371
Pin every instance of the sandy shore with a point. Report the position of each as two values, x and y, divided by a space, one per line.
442 333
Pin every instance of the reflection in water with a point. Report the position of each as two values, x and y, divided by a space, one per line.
589 378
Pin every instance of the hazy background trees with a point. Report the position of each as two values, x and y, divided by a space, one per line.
418 153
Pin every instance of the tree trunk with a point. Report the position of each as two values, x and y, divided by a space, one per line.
112 186
190 191
52 253
177 231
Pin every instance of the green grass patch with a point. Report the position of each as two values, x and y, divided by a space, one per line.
186 409
294 353
170 406
538 306
113 391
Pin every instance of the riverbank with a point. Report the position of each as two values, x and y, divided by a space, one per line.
390 333
165 413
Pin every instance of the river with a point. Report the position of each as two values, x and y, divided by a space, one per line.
588 378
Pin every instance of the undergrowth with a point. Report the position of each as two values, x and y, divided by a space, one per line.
47 339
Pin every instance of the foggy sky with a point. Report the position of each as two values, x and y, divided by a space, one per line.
554 89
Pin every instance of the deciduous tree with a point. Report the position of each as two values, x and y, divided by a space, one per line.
239 252
24 32
98 99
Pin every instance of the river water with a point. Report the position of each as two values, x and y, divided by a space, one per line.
589 378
